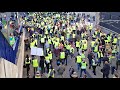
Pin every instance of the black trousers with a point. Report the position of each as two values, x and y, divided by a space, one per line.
94 69
35 69
28 68
105 75
47 66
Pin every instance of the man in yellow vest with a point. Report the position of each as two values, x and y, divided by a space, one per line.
99 57
78 61
35 64
62 57
83 67
77 45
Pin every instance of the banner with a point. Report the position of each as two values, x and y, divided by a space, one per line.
37 51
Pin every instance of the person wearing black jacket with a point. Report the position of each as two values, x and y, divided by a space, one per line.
41 64
105 59
106 70
90 57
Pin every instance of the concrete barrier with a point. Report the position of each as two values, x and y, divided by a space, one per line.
2 68
21 57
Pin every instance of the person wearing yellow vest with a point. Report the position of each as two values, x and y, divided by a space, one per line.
82 55
83 67
77 45
47 62
27 63
72 51
96 48
85 46
73 36
62 57
78 61
37 75
32 44
62 38
114 41
99 57
35 64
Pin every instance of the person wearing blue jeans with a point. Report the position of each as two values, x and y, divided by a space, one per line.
78 65
82 70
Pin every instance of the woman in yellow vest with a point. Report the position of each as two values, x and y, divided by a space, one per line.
35 64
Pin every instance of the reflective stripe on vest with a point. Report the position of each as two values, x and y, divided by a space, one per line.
99 54
93 62
27 62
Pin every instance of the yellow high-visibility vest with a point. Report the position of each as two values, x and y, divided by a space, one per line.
99 54
50 56
115 40
62 55
92 43
96 49
35 63
62 38
73 35
49 41
83 65
85 46
32 44
42 40
82 55
79 59
77 44
68 47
